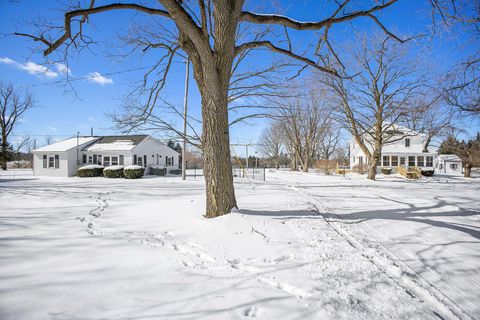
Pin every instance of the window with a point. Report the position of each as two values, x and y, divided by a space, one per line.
57 161
84 159
173 158
114 161
120 158
89 159
402 161
106 161
51 161
411 161
145 161
453 166
95 159
169 161
386 161
139 160
394 161
407 142
429 161
420 161
99 159
134 159
158 160
360 160
45 161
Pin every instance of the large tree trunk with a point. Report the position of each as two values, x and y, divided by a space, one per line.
216 155
467 170
3 152
372 165
372 171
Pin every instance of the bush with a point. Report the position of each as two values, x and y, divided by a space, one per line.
360 168
113 172
157 171
386 170
93 170
133 172
175 171
428 173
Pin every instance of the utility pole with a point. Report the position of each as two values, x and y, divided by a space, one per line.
185 106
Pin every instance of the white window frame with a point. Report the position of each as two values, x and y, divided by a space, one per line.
114 162
140 161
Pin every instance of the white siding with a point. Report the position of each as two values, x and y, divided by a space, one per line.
151 148
62 171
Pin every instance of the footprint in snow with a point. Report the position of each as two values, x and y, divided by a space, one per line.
251 312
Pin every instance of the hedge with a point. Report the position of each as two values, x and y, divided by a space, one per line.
428 173
175 171
158 171
90 171
360 168
386 170
133 172
113 172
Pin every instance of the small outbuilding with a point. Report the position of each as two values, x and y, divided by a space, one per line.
448 164
63 158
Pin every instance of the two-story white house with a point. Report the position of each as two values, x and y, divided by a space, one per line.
63 158
406 147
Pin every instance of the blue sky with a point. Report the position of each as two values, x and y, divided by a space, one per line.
102 80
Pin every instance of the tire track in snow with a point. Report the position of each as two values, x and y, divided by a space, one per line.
381 257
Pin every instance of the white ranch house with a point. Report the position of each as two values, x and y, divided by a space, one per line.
63 158
407 149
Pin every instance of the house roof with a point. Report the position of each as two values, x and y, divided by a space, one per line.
449 157
66 145
116 143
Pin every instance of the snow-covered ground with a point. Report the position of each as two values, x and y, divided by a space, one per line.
302 246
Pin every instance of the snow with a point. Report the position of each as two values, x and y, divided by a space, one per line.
133 167
114 168
301 246
66 144
118 145
91 166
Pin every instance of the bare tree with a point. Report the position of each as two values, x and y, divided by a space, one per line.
377 98
207 32
328 143
48 139
462 90
431 117
303 121
13 104
271 143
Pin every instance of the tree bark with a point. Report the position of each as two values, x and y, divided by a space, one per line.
372 170
467 170
4 151
218 175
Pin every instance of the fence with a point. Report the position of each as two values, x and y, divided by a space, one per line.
242 173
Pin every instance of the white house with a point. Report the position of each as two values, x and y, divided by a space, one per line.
406 147
448 164
63 158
